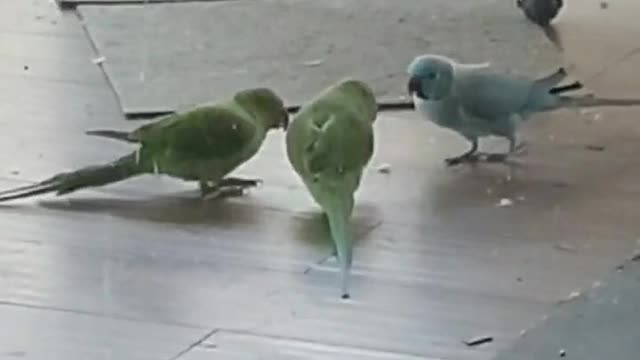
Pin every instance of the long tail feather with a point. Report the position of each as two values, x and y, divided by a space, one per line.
27 191
592 101
566 88
338 214
113 134
90 176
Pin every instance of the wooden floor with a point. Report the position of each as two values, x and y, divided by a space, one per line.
145 270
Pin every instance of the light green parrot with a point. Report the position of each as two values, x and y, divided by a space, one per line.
203 144
329 143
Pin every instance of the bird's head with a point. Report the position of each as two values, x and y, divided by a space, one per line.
430 77
359 96
265 105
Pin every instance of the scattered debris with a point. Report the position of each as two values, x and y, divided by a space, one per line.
313 63
26 67
99 60
523 332
15 172
596 284
384 168
574 295
504 202
519 279
604 5
565 247
521 198
489 191
562 353
477 341
594 147
208 345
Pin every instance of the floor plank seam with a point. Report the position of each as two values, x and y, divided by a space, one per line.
195 344
96 53
95 314
324 343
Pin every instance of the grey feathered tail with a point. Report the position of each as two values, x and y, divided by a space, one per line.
566 88
338 214
592 101
90 176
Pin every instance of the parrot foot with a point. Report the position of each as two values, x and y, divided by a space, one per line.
223 192
493 157
462 159
239 182
521 148
227 187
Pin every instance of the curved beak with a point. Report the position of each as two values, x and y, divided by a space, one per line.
413 87
284 123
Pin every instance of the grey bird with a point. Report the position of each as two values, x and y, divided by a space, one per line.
540 12
476 101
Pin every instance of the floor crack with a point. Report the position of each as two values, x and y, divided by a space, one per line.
195 344
626 56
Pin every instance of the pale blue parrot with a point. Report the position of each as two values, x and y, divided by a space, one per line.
476 102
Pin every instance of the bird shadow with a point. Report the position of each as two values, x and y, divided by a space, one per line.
185 208
471 186
312 227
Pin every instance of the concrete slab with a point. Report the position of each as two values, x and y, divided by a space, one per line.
165 56
601 323
74 3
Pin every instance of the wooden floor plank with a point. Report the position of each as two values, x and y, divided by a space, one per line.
145 268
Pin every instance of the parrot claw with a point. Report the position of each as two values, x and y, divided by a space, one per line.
463 159
494 157
235 191
520 149
218 193
228 187
239 182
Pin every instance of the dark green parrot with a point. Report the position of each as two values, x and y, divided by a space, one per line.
203 144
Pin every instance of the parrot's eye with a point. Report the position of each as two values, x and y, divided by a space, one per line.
431 76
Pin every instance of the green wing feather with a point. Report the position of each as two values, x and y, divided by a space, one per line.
207 132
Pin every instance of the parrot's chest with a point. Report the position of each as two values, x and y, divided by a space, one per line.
443 113
448 113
